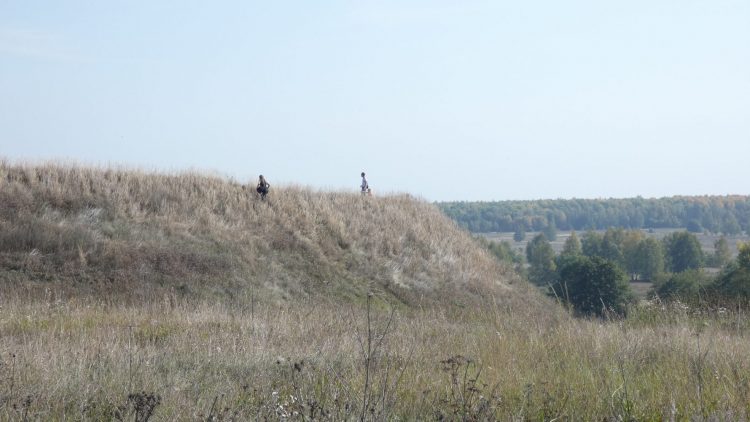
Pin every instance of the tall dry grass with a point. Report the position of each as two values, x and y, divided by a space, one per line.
81 360
137 235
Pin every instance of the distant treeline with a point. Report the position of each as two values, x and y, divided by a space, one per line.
717 214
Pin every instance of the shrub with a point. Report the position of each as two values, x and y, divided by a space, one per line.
593 285
734 281
686 286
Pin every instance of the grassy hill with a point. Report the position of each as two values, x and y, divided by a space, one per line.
134 235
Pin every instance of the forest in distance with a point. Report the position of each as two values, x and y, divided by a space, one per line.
729 215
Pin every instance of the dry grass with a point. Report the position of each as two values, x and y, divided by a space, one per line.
136 236
81 360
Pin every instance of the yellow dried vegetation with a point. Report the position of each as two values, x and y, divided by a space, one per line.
135 235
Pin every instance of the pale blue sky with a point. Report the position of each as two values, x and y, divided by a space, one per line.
475 100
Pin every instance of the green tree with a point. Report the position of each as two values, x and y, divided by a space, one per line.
501 250
592 285
550 231
520 233
592 243
721 255
743 257
541 259
572 246
630 243
648 259
734 282
607 246
731 226
611 247
683 252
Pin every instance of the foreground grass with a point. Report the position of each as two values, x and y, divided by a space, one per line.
182 361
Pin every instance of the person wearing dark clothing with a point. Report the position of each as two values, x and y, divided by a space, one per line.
263 187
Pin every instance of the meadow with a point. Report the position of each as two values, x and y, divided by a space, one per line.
170 360
129 295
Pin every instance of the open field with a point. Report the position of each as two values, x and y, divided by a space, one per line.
82 360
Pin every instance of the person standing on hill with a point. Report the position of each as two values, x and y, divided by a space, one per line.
364 186
263 187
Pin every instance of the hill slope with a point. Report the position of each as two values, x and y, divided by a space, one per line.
138 236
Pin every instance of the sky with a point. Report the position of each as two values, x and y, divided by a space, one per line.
445 100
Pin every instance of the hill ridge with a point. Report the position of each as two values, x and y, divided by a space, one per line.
138 235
